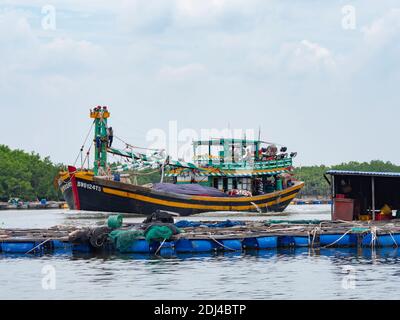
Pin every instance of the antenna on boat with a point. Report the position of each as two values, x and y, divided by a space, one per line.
259 133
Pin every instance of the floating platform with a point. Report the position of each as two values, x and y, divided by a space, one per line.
310 201
33 205
202 237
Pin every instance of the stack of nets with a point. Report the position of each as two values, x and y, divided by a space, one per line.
159 233
123 239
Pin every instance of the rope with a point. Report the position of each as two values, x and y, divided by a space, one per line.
162 243
87 156
257 208
337 239
221 244
84 143
40 244
314 233
144 174
394 240
373 236
135 147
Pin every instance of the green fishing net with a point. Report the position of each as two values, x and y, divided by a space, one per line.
158 233
123 239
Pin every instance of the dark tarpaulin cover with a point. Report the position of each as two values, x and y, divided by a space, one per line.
190 189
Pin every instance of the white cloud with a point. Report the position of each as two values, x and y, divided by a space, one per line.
159 15
293 58
143 16
307 56
15 28
65 52
193 10
182 72
383 29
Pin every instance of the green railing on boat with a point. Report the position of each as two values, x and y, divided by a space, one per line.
265 165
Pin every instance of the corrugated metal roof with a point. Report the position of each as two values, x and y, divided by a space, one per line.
363 173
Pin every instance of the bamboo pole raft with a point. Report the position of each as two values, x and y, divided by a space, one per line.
196 237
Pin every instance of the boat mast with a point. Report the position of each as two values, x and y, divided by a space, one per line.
100 116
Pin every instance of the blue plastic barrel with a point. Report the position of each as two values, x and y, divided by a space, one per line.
167 249
203 245
267 242
183 246
260 243
300 241
286 241
333 240
140 246
60 247
382 240
17 247
231 245
387 241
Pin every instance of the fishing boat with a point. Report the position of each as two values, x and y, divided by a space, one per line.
232 175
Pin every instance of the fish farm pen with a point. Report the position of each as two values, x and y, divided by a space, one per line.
168 239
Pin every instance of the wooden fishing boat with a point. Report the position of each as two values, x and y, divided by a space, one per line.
260 181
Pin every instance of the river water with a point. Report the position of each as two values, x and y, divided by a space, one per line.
281 274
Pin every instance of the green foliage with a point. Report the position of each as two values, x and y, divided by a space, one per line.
316 185
26 176
313 177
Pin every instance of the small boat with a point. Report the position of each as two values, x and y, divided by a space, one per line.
244 175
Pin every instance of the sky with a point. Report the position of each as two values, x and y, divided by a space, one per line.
320 77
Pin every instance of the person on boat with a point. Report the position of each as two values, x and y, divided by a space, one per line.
98 141
259 187
345 187
110 135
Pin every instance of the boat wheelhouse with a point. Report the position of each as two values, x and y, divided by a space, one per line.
238 166
233 175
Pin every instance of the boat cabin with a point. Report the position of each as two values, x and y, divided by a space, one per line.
238 166
360 195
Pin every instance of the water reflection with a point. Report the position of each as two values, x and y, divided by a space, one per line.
347 254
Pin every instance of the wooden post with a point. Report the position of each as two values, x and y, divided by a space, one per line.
373 198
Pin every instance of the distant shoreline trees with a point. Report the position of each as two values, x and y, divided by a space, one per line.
27 176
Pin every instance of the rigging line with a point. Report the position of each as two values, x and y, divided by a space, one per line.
135 147
144 174
87 157
83 146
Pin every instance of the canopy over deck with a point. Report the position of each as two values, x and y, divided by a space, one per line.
363 173
370 191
